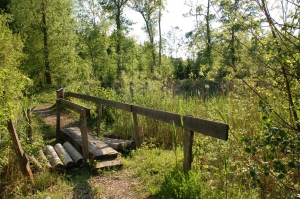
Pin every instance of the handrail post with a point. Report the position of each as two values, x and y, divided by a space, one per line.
100 110
60 93
84 136
24 164
57 117
136 135
188 139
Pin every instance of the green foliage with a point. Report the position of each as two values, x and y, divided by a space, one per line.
48 32
12 82
179 185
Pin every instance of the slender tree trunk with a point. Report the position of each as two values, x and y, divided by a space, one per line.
151 38
232 48
46 50
283 67
160 38
118 22
208 32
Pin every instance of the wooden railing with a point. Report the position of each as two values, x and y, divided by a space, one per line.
189 123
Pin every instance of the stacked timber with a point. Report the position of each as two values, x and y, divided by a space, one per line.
42 158
118 144
75 155
98 150
54 159
64 156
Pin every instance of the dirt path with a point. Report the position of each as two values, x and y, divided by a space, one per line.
110 185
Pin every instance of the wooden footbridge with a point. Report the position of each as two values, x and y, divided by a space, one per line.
105 150
78 147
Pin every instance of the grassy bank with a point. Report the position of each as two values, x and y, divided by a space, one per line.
236 168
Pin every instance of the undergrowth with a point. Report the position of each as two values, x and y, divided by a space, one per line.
220 169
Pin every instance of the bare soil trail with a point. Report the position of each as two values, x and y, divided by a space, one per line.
109 185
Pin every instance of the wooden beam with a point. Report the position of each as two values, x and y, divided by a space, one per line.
75 107
24 165
99 119
136 135
60 93
188 138
54 159
84 135
119 105
214 129
76 156
63 155
57 117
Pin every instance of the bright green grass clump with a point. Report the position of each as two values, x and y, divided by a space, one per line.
161 177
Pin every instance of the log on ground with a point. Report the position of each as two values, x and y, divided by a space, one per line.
75 155
36 165
64 156
43 160
54 159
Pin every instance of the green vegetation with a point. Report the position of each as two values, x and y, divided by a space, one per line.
241 67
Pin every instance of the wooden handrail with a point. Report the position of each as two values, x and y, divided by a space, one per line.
190 124
119 105
214 129
75 107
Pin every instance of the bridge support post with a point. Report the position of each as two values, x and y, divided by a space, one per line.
84 136
99 119
136 135
60 93
188 139
57 117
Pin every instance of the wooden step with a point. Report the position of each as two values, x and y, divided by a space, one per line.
108 164
98 150
118 144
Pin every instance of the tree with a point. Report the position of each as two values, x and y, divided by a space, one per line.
94 41
203 33
13 82
48 31
115 9
161 8
148 10
4 4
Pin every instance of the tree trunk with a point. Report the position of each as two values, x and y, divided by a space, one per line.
118 22
46 50
208 32
160 38
151 39
283 68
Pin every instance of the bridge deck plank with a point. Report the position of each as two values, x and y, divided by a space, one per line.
98 150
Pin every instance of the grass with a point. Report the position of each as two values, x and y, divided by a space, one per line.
219 170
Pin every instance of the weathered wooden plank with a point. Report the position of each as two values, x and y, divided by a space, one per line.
57 117
60 93
75 107
97 149
214 129
136 133
24 165
188 139
119 105
118 143
84 135
107 164
99 118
